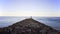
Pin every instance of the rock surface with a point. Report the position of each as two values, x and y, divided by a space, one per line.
28 26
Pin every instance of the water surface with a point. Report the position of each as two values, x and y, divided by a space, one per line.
50 21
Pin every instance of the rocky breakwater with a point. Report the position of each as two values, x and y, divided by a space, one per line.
28 26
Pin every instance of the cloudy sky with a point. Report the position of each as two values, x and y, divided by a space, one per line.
30 8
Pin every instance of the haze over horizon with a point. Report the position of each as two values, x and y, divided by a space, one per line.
48 8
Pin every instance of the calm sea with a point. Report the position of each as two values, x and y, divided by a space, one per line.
50 21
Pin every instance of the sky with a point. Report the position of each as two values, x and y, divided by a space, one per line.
48 8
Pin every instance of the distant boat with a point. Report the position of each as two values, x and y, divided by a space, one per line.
28 26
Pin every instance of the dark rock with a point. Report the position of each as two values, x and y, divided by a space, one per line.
28 26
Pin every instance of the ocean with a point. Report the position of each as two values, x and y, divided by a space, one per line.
54 22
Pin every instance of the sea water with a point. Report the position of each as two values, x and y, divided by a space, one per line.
54 22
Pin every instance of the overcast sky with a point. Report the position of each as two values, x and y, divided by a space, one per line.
29 7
